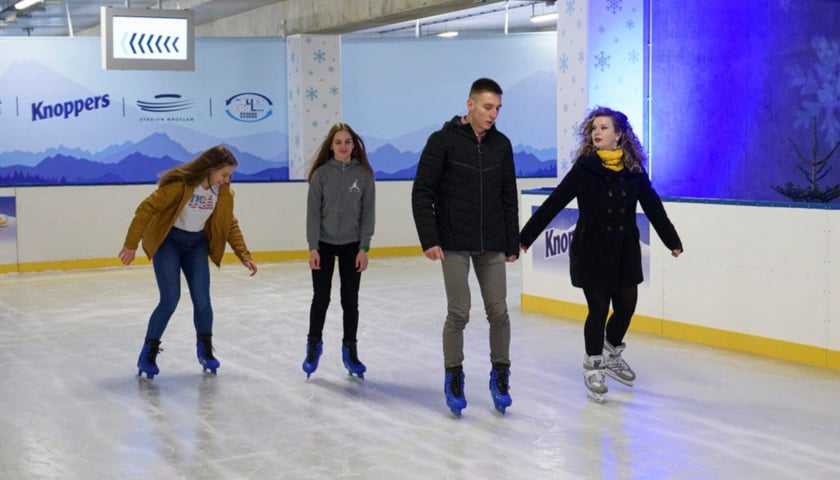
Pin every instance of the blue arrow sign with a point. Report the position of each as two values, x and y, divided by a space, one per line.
150 44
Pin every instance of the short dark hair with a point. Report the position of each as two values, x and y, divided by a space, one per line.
485 85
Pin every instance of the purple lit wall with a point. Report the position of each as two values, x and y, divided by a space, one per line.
731 81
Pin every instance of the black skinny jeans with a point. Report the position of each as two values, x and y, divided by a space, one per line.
322 285
598 301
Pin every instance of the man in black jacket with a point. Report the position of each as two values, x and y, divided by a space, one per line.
465 208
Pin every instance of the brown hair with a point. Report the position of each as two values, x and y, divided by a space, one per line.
325 152
199 168
633 157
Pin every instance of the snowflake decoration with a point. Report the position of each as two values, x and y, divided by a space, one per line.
311 73
564 63
294 56
333 90
581 56
297 140
614 5
330 69
630 24
633 56
311 93
602 29
565 108
319 56
324 105
820 89
308 40
602 61
315 123
570 7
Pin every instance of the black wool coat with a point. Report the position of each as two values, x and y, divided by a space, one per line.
464 195
605 252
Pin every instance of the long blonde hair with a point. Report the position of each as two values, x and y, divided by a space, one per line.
325 153
634 156
199 168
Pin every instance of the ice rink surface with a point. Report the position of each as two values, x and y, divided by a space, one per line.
72 407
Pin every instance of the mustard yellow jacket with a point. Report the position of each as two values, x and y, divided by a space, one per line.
157 213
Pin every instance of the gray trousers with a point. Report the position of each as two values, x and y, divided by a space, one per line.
492 280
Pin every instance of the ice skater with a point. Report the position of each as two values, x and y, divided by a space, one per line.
608 178
186 219
340 217
464 200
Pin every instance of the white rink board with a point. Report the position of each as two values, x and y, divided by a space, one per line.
759 270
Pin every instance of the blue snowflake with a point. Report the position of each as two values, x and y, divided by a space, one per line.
297 140
330 69
315 123
570 7
630 24
819 88
333 90
602 61
312 93
564 63
602 29
319 56
581 56
565 108
633 56
614 5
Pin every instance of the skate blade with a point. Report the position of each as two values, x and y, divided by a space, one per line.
598 397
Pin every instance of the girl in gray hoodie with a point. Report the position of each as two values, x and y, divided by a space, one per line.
339 224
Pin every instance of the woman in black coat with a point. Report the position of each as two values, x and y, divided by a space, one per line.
607 178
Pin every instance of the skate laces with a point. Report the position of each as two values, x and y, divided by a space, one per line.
456 386
617 364
311 352
595 376
151 356
501 381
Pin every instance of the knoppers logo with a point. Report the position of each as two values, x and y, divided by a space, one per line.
249 107
69 107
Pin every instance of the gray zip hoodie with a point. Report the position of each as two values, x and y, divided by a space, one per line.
340 205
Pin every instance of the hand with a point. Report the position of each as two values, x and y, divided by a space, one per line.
523 247
251 266
434 253
362 261
314 260
511 258
676 252
127 255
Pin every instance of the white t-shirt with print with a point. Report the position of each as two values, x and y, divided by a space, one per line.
195 214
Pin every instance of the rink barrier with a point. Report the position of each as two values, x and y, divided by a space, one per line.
229 258
735 341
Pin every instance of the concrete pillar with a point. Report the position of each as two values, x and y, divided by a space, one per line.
313 64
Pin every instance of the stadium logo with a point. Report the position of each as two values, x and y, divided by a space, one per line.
166 103
248 107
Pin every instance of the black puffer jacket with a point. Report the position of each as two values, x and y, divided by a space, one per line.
605 251
464 195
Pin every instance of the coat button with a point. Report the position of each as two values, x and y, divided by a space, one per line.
623 209
609 210
609 193
623 193
621 228
609 228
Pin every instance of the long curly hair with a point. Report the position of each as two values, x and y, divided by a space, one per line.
325 152
634 155
198 169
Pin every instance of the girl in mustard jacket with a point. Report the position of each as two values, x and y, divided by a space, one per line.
188 218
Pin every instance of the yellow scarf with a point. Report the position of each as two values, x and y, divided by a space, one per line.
611 159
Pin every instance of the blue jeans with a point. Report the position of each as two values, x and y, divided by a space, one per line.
187 251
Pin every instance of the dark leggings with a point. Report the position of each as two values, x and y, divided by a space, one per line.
598 300
322 284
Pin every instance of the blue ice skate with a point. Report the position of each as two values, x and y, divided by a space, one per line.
500 388
313 354
351 360
453 387
147 362
204 352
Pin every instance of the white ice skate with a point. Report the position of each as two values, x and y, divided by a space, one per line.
593 377
616 367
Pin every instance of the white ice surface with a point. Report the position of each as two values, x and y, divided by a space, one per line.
71 406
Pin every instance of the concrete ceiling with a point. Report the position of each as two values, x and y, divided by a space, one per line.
352 18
